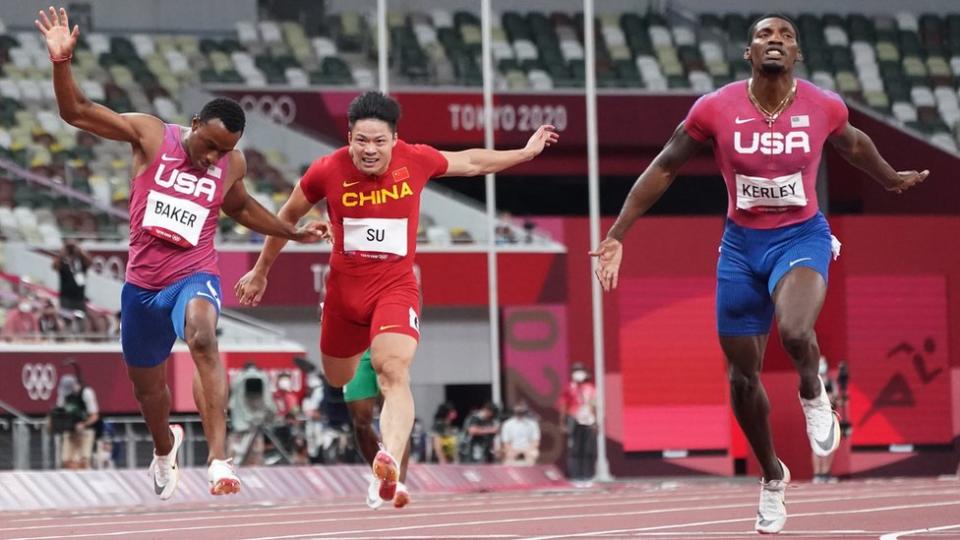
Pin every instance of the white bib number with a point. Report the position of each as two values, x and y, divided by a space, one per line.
375 235
174 220
779 192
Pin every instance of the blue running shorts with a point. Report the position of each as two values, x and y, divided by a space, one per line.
752 262
151 321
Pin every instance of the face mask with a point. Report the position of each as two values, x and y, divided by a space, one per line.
283 384
823 368
579 376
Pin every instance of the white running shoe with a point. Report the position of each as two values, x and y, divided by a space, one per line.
373 494
223 477
823 424
772 512
164 469
402 497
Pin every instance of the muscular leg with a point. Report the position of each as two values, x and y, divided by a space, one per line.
150 388
210 379
361 415
798 298
339 371
392 355
750 404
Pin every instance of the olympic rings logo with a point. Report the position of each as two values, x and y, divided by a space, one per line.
39 380
281 109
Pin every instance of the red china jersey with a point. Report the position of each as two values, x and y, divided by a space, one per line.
374 219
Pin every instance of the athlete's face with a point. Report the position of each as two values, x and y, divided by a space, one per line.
774 48
371 145
209 141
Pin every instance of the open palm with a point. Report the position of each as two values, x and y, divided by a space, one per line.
55 27
543 137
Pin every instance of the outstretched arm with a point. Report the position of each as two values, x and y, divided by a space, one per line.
75 108
858 149
250 288
480 161
239 205
646 191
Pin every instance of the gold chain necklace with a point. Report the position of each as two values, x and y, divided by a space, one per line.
769 116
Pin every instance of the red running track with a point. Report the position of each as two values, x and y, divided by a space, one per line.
715 509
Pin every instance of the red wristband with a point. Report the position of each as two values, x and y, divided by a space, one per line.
58 60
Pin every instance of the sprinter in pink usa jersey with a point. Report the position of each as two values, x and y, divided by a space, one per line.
767 135
183 178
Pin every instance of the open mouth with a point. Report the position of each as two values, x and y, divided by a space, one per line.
369 161
774 53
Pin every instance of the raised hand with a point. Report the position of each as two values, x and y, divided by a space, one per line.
609 254
56 31
250 288
543 137
908 179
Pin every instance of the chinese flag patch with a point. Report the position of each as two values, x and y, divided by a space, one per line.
401 174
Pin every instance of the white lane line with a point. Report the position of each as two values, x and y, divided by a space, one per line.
363 514
750 519
479 522
366 514
322 508
896 535
428 501
608 514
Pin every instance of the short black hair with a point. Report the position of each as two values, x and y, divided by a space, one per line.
753 27
227 111
375 105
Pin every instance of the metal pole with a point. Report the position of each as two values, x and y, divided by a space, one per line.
593 182
382 60
490 183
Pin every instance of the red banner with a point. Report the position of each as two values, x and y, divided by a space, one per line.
297 276
899 360
674 382
632 128
456 118
28 380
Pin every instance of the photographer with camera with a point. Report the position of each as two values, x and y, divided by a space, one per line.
72 264
75 420
252 411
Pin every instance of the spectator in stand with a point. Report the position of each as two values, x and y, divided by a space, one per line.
286 399
49 323
418 442
21 323
520 436
481 430
72 264
444 434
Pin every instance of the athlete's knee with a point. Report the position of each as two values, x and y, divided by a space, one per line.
394 371
797 339
742 381
201 341
337 379
146 391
